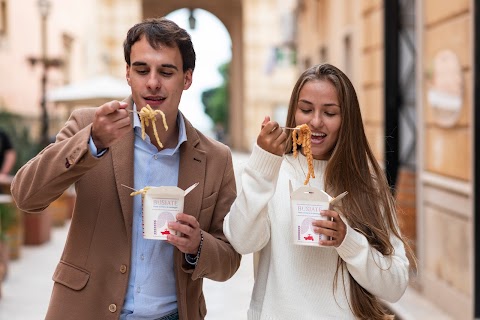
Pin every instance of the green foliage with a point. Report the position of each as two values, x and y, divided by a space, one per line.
216 99
19 132
7 218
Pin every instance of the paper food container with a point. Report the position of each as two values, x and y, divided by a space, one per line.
306 204
160 206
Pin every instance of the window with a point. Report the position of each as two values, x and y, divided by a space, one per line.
323 54
3 18
348 55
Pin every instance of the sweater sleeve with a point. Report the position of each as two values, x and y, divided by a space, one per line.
384 276
247 225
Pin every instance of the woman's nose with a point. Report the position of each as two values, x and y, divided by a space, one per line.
316 121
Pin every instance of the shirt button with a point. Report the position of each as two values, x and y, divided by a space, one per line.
112 307
155 157
142 257
123 268
138 289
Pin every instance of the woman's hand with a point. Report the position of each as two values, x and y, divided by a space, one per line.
333 227
272 138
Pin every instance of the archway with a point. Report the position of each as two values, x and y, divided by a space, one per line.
230 14
203 26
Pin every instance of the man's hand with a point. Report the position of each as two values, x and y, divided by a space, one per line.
111 122
272 138
188 238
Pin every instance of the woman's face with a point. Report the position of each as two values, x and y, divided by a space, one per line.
319 108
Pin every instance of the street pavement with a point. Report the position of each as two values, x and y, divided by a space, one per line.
26 290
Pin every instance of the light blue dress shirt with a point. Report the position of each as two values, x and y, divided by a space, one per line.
151 289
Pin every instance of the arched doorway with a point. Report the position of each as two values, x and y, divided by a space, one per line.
230 14
206 102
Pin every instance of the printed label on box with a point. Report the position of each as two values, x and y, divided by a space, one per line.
304 214
160 206
306 204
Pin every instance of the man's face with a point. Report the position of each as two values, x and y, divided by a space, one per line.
156 77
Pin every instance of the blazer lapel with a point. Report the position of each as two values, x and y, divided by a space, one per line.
192 170
122 159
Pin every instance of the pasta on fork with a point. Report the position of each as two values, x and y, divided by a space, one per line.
303 136
147 116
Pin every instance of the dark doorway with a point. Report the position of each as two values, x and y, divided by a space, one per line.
476 162
400 113
399 88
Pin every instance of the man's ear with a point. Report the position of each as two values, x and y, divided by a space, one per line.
127 74
187 79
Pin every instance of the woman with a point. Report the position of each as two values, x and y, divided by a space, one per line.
364 259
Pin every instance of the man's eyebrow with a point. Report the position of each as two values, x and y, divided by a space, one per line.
168 65
164 65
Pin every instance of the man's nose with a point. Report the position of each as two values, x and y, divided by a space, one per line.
153 82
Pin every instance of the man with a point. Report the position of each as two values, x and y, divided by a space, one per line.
108 270
8 155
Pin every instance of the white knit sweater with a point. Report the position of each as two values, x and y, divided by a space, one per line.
294 281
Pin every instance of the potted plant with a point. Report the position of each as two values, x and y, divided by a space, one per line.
7 220
36 227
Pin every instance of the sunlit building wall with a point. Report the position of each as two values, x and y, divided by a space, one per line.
86 36
270 63
350 35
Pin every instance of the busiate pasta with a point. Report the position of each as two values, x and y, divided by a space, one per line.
303 135
147 116
141 191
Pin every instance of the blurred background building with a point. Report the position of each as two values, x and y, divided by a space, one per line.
413 64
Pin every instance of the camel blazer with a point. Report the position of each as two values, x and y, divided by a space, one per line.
90 281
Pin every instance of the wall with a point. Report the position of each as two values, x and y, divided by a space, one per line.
445 206
268 78
96 30
443 198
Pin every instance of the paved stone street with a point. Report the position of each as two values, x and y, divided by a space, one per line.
26 291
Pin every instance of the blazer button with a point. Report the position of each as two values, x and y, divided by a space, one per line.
112 307
123 268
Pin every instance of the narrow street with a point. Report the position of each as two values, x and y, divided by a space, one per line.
26 291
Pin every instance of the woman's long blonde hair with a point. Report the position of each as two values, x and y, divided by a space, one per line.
352 167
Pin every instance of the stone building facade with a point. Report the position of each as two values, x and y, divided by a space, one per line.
438 202
273 41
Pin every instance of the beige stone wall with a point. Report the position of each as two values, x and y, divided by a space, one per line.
115 17
371 83
267 86
444 173
334 32
446 210
97 29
